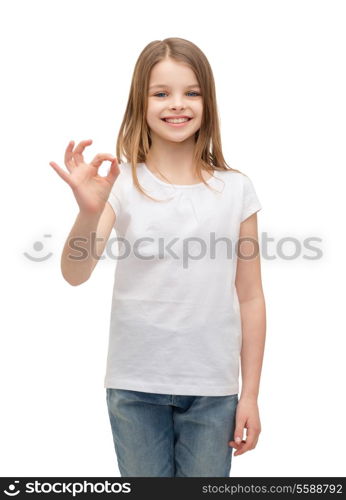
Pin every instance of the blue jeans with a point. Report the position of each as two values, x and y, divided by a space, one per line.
163 435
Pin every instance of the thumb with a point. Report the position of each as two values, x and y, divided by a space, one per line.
238 433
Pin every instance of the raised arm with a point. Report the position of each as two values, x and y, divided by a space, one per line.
91 230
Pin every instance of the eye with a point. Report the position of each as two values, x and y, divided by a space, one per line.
190 92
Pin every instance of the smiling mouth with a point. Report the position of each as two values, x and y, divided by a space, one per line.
165 120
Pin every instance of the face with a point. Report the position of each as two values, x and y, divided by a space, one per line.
173 91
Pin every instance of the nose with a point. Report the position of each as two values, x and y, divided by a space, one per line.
176 106
177 103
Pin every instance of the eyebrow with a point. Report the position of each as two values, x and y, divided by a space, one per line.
167 86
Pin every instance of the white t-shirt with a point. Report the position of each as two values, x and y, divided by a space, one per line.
175 321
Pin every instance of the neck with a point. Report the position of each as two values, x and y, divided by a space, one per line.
171 159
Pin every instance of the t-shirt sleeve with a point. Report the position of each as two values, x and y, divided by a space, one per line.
251 203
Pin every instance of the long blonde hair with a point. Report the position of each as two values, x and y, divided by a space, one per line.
134 140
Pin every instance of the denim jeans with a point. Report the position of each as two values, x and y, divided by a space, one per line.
163 435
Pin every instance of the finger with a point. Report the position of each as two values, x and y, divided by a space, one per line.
248 445
101 157
256 439
233 444
78 151
255 443
239 431
239 447
114 171
69 161
65 176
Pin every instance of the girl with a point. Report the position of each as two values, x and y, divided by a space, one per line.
187 299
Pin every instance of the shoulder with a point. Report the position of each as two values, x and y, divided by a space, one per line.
232 178
239 187
235 176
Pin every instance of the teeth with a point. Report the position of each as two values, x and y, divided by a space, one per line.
176 120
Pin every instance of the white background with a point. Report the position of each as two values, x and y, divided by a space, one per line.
279 68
